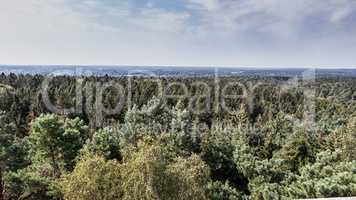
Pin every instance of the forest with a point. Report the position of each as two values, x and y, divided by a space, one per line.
231 138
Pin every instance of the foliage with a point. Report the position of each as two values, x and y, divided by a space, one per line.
105 142
33 183
223 191
93 178
322 180
260 147
348 141
217 151
13 154
299 150
153 173
57 141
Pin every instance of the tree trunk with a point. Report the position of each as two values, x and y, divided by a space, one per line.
1 186
55 166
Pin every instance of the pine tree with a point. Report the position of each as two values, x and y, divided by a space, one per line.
12 150
57 141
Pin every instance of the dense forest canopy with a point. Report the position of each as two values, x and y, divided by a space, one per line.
67 137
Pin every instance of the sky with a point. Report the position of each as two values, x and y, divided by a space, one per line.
241 33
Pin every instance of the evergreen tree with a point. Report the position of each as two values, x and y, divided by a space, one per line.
105 142
57 141
12 151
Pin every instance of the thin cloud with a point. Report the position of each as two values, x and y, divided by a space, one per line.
200 32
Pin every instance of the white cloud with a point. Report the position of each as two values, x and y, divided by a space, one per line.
340 14
206 4
275 16
53 31
159 20
209 32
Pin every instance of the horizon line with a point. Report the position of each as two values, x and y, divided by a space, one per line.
179 66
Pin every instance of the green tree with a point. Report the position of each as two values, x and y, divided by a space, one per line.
57 140
12 151
190 176
348 142
276 132
224 191
151 119
105 142
93 178
150 171
31 183
153 172
218 148
266 177
320 179
299 150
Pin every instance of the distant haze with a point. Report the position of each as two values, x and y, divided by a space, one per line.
168 71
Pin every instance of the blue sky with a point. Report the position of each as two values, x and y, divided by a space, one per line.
279 33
